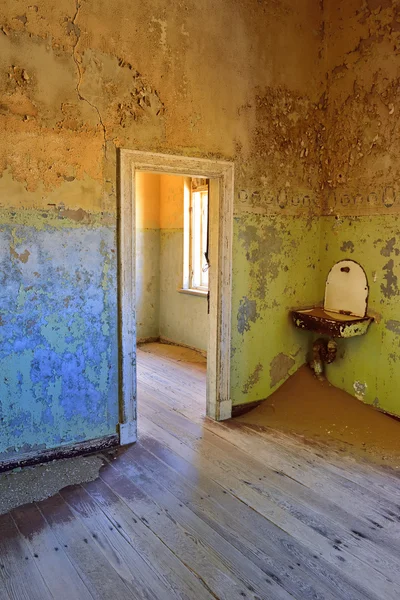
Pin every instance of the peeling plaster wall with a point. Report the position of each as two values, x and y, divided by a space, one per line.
361 169
58 341
369 363
276 267
78 80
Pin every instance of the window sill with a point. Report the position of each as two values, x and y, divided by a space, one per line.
190 292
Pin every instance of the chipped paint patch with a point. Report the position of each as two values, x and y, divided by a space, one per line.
253 379
23 256
347 246
393 326
280 368
390 288
390 247
262 243
360 390
247 314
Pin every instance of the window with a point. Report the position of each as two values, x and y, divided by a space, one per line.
196 237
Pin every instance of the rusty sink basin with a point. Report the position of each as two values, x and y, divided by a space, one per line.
336 325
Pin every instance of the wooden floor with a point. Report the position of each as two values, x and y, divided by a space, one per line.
199 510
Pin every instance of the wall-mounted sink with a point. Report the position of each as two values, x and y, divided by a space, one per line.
334 325
344 314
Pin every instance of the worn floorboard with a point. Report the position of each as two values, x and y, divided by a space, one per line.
198 510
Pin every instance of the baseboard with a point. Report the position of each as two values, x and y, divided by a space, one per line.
127 433
147 340
43 456
241 409
164 340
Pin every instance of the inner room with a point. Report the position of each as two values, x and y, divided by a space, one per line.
172 291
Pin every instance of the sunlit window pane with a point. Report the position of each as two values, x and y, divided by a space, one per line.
198 240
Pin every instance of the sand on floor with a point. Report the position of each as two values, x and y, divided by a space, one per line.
320 412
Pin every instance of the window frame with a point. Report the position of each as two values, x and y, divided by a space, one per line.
190 286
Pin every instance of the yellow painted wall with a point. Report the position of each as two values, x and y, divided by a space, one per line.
171 201
147 200
147 255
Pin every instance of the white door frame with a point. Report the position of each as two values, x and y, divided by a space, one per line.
220 173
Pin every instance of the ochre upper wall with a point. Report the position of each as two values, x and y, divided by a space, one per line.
80 79
361 159
172 201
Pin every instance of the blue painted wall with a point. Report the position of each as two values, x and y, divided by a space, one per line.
58 335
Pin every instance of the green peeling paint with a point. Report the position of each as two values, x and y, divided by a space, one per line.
275 269
373 358
55 218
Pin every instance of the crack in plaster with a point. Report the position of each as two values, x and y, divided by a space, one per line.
80 75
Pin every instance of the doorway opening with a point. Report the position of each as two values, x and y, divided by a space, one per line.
175 253
172 267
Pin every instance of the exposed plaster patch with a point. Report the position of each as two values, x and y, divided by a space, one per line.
79 215
163 32
23 257
253 379
390 289
360 389
393 326
22 18
288 137
347 247
390 247
379 4
280 368
263 245
247 313
73 28
136 103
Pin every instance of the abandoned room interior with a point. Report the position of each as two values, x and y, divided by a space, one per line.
199 300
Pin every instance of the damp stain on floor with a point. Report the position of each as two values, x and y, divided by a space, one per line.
321 413
31 484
